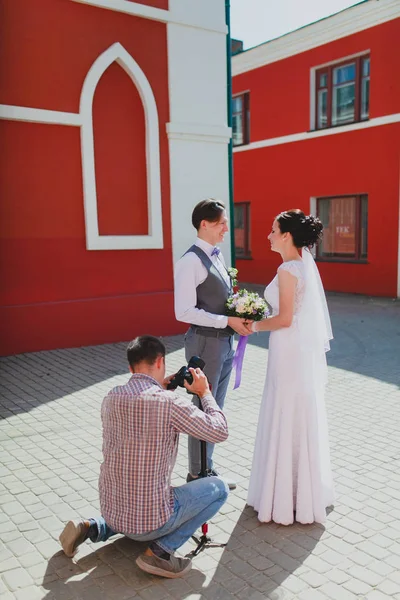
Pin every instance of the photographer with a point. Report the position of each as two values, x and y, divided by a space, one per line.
141 425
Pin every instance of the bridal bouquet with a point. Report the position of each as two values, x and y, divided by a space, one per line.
247 305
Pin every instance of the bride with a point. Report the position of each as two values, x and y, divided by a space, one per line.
291 475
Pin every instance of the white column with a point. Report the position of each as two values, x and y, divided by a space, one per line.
198 132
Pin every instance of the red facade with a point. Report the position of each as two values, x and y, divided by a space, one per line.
54 291
357 161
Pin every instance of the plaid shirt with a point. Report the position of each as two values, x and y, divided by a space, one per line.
141 426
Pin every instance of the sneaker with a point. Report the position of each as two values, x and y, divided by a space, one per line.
74 534
231 484
172 568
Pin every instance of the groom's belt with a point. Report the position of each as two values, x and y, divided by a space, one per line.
212 332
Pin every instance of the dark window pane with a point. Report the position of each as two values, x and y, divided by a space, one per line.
239 216
338 216
242 228
364 227
237 129
239 229
237 104
344 74
322 109
365 68
323 80
343 104
365 98
240 119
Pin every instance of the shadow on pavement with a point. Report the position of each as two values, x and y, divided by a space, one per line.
110 572
366 341
261 557
31 380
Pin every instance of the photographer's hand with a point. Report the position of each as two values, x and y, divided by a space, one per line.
167 380
239 325
200 386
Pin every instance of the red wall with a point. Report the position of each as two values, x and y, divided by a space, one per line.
280 91
286 176
55 293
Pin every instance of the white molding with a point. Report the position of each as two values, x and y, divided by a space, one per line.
39 115
313 84
343 59
155 14
95 241
241 93
84 119
345 23
309 135
199 133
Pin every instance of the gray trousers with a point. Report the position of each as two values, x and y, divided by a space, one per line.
217 353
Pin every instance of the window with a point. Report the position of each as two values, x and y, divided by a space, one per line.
242 230
342 93
345 221
240 119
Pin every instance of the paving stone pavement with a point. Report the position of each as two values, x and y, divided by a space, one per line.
50 442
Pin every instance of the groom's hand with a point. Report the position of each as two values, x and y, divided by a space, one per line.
248 325
239 325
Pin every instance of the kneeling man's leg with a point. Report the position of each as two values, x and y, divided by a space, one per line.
77 532
195 503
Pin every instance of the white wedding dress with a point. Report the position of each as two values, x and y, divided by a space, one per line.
291 475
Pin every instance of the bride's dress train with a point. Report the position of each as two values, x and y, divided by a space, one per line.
291 475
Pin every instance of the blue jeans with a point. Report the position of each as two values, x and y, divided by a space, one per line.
194 504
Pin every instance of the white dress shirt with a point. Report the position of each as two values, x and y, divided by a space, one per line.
190 273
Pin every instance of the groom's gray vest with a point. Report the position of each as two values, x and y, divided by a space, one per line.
211 294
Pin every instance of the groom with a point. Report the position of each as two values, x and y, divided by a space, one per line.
202 286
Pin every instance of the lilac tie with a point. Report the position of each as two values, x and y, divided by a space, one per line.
215 251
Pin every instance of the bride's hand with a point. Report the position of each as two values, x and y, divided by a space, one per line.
248 325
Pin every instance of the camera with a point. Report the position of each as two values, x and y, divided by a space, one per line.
184 374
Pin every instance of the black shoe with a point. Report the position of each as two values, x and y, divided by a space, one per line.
212 473
191 477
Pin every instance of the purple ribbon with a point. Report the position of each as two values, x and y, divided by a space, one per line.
238 359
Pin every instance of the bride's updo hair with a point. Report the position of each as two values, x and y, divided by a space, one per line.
305 231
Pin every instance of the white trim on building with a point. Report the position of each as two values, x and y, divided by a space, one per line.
84 119
95 241
189 13
347 22
39 115
309 135
198 133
